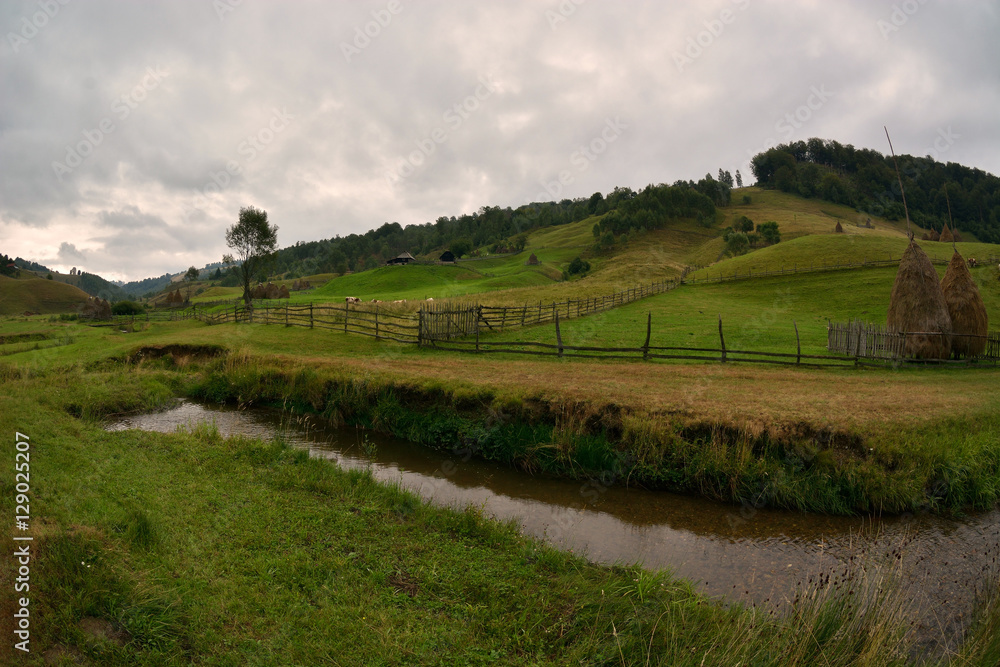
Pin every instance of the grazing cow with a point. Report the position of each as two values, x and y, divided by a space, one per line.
376 301
352 299
430 298
972 262
400 301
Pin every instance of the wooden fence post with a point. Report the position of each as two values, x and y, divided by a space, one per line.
558 336
649 331
376 322
347 310
479 313
722 339
798 343
310 316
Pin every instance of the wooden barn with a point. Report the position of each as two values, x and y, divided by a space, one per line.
447 256
402 258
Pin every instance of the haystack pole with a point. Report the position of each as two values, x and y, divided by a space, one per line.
906 211
950 234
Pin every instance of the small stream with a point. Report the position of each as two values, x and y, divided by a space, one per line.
757 556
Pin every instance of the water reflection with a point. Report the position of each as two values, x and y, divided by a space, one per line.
754 555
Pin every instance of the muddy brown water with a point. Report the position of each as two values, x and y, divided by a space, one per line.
755 556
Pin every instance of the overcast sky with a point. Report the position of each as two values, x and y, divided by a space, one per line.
131 133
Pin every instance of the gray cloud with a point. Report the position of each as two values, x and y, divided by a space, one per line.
68 254
173 155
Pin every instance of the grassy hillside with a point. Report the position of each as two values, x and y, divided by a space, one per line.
828 249
797 216
757 314
38 295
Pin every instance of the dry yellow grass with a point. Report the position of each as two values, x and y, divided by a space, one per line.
755 398
798 217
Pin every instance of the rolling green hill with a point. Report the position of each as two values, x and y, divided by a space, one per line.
38 295
828 249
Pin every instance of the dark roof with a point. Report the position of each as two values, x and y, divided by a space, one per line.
447 256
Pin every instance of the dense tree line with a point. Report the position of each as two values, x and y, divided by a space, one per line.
95 285
866 180
502 229
147 286
5 266
656 205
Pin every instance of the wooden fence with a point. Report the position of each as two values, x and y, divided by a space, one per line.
365 319
812 268
444 322
646 351
864 340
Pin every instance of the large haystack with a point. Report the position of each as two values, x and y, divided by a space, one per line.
283 292
917 306
966 308
935 236
946 235
839 229
96 309
925 237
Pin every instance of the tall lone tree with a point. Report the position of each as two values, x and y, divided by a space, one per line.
253 241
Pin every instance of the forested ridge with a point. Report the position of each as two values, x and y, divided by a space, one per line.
865 179
496 229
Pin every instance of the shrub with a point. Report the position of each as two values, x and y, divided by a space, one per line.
737 244
769 232
578 266
126 308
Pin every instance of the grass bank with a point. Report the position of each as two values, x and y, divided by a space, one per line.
947 464
191 548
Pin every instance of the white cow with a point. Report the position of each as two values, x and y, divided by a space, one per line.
352 299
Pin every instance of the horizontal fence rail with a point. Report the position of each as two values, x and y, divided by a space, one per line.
868 341
444 322
371 321
646 351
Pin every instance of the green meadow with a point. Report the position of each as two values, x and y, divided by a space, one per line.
191 548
